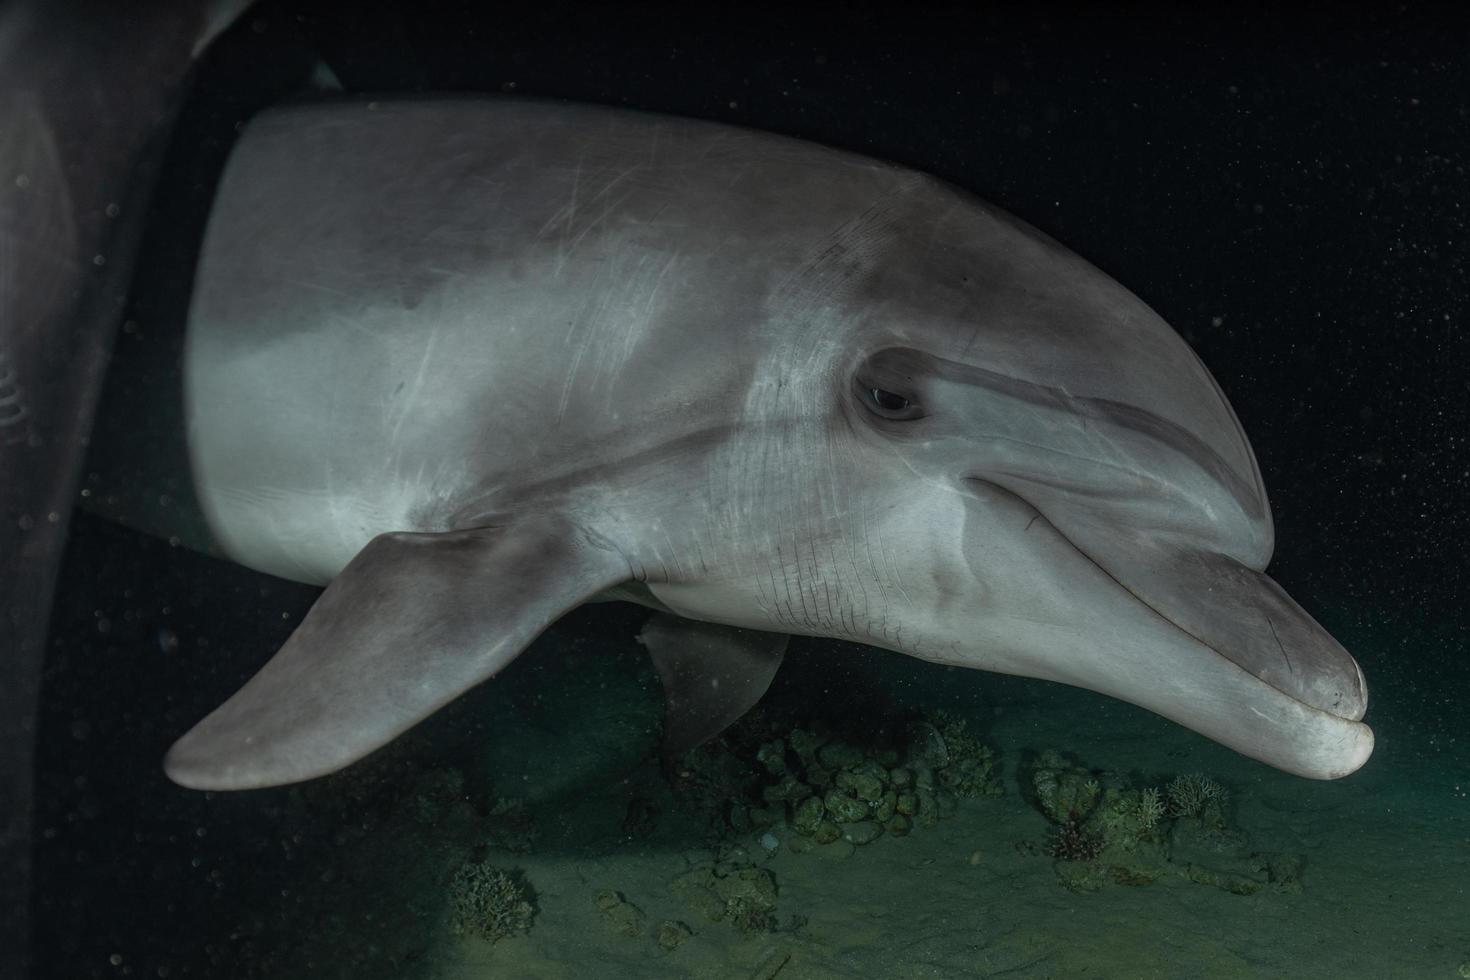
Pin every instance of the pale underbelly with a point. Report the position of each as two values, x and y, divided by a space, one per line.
303 535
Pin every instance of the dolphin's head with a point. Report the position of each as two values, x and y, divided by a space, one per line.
1083 493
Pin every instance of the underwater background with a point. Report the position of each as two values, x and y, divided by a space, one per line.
1291 191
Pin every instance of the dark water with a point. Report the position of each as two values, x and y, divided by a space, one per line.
1291 192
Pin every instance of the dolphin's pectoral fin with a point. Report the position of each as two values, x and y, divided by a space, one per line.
413 621
711 674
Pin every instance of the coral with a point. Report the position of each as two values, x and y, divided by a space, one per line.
1128 818
750 899
1091 820
741 894
1107 832
971 769
1149 809
826 788
1196 795
697 887
749 918
808 816
1072 841
1065 793
1129 822
490 902
1119 817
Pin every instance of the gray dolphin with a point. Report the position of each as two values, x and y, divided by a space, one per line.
88 94
474 363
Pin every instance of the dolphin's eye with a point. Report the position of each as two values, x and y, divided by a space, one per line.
889 404
890 386
887 400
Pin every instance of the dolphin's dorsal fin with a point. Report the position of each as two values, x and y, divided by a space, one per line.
413 621
711 675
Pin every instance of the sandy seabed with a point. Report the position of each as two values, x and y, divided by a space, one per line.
1386 858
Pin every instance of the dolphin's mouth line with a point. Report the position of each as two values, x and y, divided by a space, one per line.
1198 639
1213 648
1172 621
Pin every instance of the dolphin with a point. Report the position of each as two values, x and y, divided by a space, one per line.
470 363
88 93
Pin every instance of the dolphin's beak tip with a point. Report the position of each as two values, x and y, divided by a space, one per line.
1362 749
1352 752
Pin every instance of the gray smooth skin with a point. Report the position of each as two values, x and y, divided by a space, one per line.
474 363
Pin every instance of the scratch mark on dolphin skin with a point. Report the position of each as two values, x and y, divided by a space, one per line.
405 407
658 285
571 208
674 550
588 333
571 236
635 324
607 210
1290 669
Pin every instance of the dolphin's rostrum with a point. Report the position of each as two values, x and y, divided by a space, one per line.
473 363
